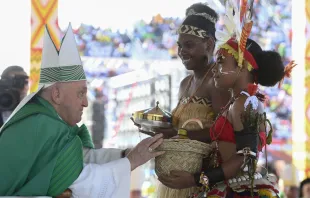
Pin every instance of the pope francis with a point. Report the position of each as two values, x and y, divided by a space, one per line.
42 150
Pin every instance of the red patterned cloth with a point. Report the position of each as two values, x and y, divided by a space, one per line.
224 131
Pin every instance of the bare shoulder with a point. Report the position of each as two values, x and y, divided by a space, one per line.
184 84
238 105
185 81
235 112
239 114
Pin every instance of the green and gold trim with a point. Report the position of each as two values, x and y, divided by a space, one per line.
62 74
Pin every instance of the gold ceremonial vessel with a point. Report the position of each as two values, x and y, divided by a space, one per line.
153 118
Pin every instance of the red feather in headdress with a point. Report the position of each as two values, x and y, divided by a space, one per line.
243 8
252 89
287 72
246 23
246 30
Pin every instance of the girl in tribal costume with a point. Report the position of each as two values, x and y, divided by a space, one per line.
239 132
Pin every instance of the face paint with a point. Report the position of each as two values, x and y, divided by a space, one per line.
222 73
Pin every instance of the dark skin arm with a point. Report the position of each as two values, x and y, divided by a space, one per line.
232 161
232 166
199 135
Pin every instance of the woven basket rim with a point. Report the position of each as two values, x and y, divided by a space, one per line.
186 140
185 145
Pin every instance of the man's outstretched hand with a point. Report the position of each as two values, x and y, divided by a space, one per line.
145 150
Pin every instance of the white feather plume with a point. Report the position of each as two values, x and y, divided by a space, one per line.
232 24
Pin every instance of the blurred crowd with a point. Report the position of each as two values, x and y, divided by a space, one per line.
153 40
157 40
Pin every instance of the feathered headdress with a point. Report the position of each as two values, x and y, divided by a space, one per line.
238 25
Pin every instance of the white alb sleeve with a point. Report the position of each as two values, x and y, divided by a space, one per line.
110 180
101 156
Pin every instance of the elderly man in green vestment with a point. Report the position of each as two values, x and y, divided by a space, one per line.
42 150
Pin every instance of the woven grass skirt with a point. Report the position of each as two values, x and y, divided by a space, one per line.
181 154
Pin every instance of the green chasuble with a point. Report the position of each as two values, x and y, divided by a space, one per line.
40 154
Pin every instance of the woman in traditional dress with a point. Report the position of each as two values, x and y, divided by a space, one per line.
195 48
196 45
239 132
